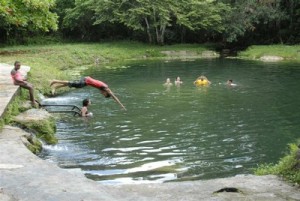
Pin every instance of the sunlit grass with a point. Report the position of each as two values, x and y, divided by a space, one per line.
285 51
50 62
288 167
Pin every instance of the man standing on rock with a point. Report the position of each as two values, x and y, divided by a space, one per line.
22 82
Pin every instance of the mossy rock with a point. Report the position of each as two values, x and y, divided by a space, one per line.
40 122
44 130
33 144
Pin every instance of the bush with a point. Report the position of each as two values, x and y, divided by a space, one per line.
288 167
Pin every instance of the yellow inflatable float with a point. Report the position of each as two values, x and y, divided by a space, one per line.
201 82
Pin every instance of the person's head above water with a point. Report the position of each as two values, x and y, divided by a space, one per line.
86 102
229 81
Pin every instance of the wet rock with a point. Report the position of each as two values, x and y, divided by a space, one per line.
40 123
38 179
209 54
271 58
33 115
228 189
190 54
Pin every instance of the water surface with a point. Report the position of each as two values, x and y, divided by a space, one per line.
180 133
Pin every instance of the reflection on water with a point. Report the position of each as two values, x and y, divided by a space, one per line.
184 133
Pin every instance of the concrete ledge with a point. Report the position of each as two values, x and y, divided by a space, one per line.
7 89
26 177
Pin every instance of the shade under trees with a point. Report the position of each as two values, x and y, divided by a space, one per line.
26 16
155 21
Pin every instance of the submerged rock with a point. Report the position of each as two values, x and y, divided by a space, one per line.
190 54
271 58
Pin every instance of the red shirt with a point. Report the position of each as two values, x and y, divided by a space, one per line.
94 83
16 76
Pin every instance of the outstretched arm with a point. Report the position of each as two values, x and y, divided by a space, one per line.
115 98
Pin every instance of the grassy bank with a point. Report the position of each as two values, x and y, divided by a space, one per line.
57 61
285 51
288 167
49 62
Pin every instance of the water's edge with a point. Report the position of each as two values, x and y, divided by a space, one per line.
24 176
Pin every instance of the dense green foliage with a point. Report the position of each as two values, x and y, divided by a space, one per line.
23 17
287 167
154 17
247 16
227 22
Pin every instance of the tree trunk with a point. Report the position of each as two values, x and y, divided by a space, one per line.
162 34
182 35
157 35
148 31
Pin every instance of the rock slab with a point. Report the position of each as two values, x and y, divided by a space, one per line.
24 176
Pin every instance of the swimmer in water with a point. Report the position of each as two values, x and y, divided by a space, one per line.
178 82
84 110
230 83
168 84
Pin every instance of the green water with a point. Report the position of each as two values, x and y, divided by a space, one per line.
181 133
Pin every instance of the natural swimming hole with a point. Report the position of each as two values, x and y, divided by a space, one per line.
181 133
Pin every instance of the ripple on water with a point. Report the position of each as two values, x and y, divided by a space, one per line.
128 149
148 141
128 139
208 132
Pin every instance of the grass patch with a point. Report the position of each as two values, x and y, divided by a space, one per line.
34 145
285 51
44 129
288 167
13 109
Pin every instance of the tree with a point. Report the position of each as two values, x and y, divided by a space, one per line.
61 7
289 30
79 17
202 15
27 15
152 16
202 18
156 16
248 15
